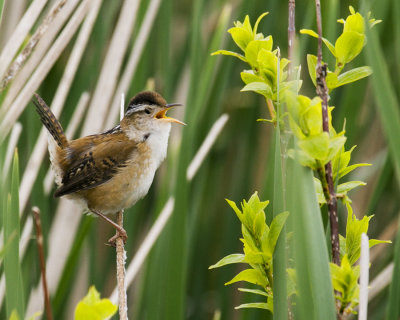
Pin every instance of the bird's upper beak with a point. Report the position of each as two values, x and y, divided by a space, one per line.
162 114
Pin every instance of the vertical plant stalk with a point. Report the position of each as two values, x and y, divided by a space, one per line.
291 34
18 62
121 257
322 91
39 241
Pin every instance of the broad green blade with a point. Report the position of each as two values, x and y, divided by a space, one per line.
385 96
315 299
12 270
279 262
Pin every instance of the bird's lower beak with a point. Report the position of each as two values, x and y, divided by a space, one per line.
161 115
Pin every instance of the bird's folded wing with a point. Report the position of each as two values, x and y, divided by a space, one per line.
95 164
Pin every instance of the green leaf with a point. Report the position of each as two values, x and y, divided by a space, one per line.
258 305
91 307
248 76
254 47
260 88
354 229
348 46
259 224
236 209
348 169
255 291
258 22
354 22
335 145
316 146
268 62
374 242
232 258
241 36
345 280
345 187
275 229
250 275
319 191
331 80
353 75
12 267
229 53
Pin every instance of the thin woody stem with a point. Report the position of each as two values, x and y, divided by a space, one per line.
121 257
39 241
322 91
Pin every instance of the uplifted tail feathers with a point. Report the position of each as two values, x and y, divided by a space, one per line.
50 122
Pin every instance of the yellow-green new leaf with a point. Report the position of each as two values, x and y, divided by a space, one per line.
316 146
348 46
259 87
255 291
353 75
91 307
274 231
254 47
230 259
242 33
229 53
250 275
257 305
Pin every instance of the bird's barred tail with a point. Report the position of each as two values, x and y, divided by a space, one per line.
50 121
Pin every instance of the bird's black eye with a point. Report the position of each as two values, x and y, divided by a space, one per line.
148 111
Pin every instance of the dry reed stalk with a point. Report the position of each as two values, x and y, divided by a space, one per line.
37 55
133 59
111 66
19 61
20 33
40 73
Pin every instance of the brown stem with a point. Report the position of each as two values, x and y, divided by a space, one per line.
291 34
322 91
121 255
39 241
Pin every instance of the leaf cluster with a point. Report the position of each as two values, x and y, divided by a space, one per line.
259 241
345 277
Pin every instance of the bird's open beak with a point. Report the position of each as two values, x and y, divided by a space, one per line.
162 114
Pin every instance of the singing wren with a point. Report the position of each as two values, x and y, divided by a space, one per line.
110 171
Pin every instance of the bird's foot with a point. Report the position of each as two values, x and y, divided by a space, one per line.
121 233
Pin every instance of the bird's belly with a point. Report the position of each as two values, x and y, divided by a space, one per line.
123 190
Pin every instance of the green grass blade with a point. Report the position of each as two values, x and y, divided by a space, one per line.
2 2
315 299
393 307
385 96
279 267
14 289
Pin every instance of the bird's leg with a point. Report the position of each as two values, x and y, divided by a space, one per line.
120 231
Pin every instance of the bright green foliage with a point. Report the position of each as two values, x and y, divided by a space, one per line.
345 276
345 281
316 147
91 307
347 47
259 240
354 229
267 72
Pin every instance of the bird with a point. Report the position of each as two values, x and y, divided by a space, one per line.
110 171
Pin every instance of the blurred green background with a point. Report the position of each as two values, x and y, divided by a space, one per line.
174 282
